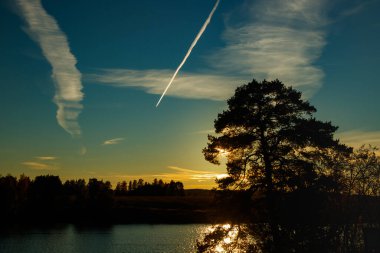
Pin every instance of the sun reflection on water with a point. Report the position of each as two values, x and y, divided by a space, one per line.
226 238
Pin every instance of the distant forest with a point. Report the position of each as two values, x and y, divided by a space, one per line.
156 188
47 197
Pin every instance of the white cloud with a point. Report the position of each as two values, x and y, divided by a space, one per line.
188 85
46 158
277 39
280 39
44 29
113 141
38 166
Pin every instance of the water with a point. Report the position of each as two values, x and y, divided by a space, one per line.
183 238
115 239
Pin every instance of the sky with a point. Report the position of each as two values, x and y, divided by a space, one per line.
80 80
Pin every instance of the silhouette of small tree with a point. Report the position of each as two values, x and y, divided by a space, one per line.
99 195
8 194
75 193
156 188
121 188
45 190
362 173
23 185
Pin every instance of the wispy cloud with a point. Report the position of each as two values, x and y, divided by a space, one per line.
113 141
357 138
203 132
82 150
356 9
189 174
280 39
276 39
38 166
46 158
191 178
175 173
188 85
44 29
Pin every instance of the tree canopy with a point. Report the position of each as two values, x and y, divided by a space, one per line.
272 141
273 144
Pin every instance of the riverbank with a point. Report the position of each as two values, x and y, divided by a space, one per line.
202 207
196 206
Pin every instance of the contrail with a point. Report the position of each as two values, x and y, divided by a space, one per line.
44 29
190 49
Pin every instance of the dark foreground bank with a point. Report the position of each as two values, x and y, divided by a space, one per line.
46 200
200 206
194 207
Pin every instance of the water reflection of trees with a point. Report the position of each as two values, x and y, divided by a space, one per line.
267 237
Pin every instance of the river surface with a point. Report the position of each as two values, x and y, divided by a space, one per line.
113 239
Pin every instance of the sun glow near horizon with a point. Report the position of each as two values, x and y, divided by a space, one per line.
191 178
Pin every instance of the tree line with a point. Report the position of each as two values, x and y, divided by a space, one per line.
48 197
156 188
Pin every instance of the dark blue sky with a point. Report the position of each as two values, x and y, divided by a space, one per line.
79 80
